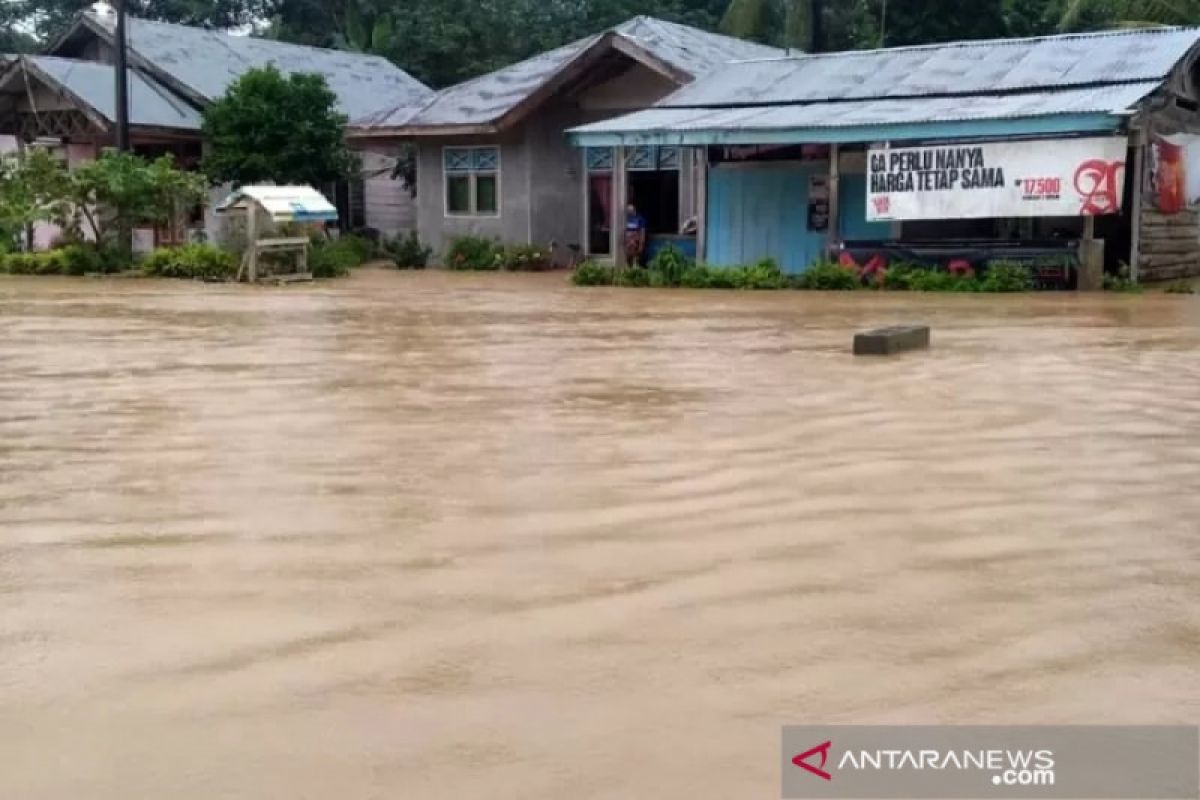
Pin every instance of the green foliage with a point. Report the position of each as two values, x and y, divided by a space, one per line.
936 280
442 42
335 258
272 127
192 261
122 188
72 259
674 270
474 253
1180 287
589 273
525 258
406 252
46 19
763 275
33 188
1121 281
1088 14
670 264
827 276
1007 276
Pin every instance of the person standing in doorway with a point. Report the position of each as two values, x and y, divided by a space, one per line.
635 236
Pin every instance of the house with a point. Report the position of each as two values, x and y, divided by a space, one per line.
65 97
493 159
1076 149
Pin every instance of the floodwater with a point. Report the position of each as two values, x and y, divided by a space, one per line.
460 536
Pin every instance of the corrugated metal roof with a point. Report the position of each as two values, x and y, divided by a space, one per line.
485 99
208 61
957 68
735 125
149 103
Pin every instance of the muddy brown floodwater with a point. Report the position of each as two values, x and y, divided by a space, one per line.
455 536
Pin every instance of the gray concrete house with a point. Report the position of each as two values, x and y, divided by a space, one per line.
493 158
63 99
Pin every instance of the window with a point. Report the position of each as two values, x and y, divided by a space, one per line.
472 181
653 186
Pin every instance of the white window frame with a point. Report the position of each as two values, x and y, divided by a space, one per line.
472 175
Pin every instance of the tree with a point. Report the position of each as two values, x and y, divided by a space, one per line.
269 127
33 188
442 42
48 18
1084 14
120 190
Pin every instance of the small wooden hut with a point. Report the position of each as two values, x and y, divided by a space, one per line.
280 205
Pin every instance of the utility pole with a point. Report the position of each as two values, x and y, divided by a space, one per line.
816 27
121 68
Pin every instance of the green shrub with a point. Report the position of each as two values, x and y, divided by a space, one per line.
21 263
333 258
935 280
763 275
1180 287
363 249
589 273
474 253
827 276
525 258
634 276
192 261
670 263
899 276
698 276
407 251
1007 276
1121 281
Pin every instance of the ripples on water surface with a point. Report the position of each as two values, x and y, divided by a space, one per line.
445 536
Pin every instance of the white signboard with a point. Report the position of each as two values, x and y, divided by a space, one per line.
1046 178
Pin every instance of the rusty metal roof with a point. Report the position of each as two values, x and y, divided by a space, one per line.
207 61
959 68
485 99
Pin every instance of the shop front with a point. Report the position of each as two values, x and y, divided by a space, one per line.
1045 159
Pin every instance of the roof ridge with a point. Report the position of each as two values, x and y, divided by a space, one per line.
224 33
968 43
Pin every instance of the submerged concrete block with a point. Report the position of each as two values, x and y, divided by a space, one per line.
886 341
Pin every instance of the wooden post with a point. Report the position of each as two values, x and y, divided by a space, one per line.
620 199
1091 258
252 241
701 203
834 221
27 233
1135 211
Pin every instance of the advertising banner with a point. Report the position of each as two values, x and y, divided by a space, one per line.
1045 178
1175 168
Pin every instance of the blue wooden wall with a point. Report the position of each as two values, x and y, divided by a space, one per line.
761 211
